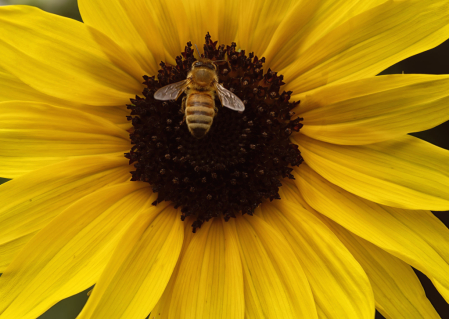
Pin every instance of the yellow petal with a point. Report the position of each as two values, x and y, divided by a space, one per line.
310 20
129 25
31 201
416 237
258 20
13 89
336 93
10 249
66 59
378 109
13 167
339 285
140 267
209 283
70 253
405 172
174 26
369 43
34 135
290 192
162 308
219 18
275 283
150 31
397 290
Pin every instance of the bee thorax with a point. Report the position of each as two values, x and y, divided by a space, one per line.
203 77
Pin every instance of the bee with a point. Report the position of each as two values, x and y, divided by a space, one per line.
198 105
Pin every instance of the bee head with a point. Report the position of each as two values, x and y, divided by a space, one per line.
204 63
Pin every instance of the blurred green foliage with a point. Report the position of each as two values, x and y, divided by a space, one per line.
67 8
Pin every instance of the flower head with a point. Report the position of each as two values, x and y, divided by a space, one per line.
311 203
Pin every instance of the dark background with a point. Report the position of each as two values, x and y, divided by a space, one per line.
434 61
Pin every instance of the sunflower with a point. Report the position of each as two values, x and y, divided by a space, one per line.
311 203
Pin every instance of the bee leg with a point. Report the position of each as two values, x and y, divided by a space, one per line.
183 105
183 109
216 110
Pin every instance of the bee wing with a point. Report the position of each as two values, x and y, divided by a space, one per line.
172 91
229 99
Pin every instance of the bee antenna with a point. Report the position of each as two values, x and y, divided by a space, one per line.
199 54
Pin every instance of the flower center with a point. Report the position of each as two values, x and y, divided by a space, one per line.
241 160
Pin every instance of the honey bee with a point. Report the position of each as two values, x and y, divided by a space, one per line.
198 105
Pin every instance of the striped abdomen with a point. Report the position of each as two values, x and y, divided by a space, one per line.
199 113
